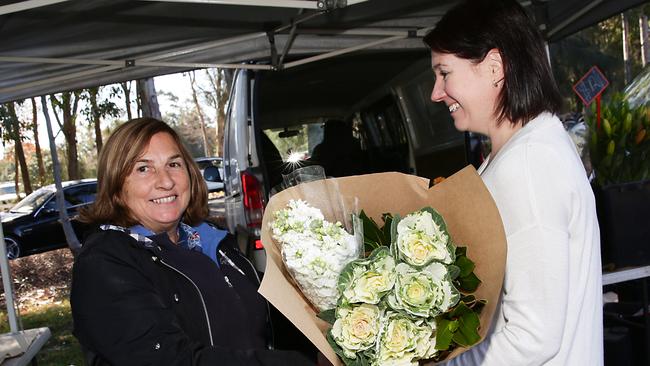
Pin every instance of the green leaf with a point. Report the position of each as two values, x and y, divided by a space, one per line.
371 231
393 236
469 283
388 225
467 332
339 352
465 264
478 306
328 315
460 251
444 333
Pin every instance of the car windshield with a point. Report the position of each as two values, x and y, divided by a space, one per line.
35 199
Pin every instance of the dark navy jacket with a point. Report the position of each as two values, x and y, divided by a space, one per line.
145 301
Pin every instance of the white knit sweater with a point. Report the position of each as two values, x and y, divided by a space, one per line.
550 312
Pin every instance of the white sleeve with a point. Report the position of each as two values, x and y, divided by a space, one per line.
535 204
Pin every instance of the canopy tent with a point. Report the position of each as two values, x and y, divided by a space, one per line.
56 45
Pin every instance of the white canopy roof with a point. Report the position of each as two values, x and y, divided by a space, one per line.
50 46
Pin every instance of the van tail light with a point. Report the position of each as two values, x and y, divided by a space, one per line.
258 244
253 202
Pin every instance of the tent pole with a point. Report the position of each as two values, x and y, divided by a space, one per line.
573 18
342 51
6 283
26 5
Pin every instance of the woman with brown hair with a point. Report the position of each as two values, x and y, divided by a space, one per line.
155 284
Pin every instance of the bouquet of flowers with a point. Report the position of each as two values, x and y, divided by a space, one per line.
314 250
414 297
402 304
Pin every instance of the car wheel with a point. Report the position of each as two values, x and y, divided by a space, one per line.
13 248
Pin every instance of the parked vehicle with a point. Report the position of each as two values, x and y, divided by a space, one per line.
213 178
275 116
32 226
8 193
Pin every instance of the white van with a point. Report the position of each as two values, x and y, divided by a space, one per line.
277 118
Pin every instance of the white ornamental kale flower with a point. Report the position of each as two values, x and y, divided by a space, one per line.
424 293
356 328
404 340
314 251
368 280
420 240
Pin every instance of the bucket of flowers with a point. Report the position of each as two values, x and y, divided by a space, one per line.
620 155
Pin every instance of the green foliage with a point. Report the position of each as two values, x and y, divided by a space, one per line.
62 348
361 360
600 45
466 281
328 315
620 148
373 235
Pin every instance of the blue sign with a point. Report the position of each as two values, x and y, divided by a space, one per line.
591 85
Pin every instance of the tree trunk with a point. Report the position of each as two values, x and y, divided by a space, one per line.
220 81
627 64
18 147
37 145
16 174
127 98
199 111
68 105
70 236
96 118
643 35
148 98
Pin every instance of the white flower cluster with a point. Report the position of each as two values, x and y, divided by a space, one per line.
390 300
314 251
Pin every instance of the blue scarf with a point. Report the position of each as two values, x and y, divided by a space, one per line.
202 238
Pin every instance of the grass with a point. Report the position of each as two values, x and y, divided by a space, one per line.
41 284
62 348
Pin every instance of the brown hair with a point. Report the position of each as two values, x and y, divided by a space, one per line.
116 160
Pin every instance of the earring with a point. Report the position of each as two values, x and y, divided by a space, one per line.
495 83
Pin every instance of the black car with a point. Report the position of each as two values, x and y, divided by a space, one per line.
32 225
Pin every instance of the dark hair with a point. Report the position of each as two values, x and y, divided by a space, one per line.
474 27
116 160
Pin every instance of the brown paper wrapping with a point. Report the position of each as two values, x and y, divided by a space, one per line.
463 200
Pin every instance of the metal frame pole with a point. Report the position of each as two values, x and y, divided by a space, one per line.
6 283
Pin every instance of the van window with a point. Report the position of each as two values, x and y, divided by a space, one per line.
296 143
385 138
430 124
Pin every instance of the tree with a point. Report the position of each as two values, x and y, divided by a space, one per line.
97 110
12 132
39 155
199 112
220 81
126 88
69 233
68 104
600 45
148 98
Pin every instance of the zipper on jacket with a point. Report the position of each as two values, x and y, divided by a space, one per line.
268 307
205 309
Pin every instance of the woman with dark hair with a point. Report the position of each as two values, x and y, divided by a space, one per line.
155 284
493 74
